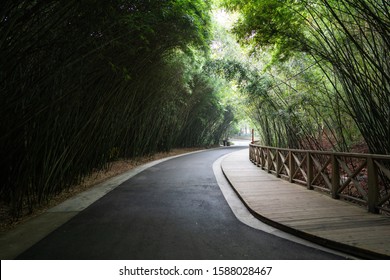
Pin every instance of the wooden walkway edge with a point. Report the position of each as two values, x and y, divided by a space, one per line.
307 213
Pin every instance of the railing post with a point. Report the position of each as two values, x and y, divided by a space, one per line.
269 160
291 166
309 171
335 177
278 163
255 151
262 159
373 191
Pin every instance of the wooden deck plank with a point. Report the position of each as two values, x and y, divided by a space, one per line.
307 211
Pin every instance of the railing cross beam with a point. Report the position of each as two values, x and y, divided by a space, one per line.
318 164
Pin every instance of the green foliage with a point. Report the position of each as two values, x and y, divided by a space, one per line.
352 37
348 43
85 82
270 23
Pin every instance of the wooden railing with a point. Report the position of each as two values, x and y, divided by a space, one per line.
360 178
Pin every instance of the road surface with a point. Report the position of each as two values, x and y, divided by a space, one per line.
173 210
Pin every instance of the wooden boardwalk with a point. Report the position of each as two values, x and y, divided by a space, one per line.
307 213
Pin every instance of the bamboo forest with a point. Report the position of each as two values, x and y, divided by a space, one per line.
86 82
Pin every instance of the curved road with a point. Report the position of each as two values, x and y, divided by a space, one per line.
173 210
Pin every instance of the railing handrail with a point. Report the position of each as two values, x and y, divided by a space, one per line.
358 177
345 154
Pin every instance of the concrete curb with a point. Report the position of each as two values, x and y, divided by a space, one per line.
17 240
331 244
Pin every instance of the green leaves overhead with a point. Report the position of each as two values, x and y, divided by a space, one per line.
85 82
270 23
348 41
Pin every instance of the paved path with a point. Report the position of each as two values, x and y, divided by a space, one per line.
308 213
172 210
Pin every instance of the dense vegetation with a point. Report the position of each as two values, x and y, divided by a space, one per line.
316 76
324 68
86 82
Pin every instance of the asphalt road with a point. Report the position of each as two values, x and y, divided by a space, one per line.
173 210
